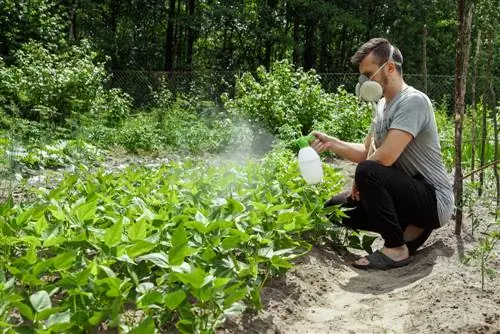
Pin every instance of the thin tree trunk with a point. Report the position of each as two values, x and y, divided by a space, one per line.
424 57
474 104
461 65
191 33
492 105
169 40
296 37
309 49
72 35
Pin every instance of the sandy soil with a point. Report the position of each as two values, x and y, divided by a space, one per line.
436 293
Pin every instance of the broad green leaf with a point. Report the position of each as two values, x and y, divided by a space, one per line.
195 277
185 326
139 247
159 259
113 235
25 310
44 314
111 285
176 255
174 299
40 300
85 211
64 260
138 231
59 318
145 287
179 238
150 298
147 326
199 217
57 212
279 262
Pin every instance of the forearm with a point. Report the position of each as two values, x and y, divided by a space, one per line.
354 152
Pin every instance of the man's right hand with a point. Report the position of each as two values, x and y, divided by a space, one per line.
355 192
322 143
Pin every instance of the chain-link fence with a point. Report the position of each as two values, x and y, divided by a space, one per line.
141 85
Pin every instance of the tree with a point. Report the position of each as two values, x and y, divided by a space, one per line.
464 11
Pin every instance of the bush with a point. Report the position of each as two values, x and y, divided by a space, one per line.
52 87
289 103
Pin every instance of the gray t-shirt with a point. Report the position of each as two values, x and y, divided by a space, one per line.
412 111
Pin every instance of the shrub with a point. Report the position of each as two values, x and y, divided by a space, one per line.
52 87
289 103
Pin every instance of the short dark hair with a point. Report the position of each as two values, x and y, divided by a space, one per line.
381 49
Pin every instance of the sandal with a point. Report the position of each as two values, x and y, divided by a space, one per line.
379 260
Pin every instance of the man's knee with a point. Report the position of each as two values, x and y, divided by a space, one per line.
366 170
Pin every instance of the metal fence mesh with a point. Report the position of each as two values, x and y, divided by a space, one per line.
141 85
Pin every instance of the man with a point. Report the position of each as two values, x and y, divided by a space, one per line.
400 189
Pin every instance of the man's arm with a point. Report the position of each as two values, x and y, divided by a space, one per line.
354 152
392 147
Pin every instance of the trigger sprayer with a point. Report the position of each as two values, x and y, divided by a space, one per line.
309 161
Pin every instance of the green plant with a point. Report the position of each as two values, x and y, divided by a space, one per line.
485 252
289 103
51 87
182 244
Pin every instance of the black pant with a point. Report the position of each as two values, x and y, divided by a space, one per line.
390 200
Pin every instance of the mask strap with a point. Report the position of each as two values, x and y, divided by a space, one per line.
391 56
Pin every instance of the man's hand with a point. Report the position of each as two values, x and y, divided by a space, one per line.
322 143
355 192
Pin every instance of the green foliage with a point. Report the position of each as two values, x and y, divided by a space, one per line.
289 103
51 87
485 253
184 243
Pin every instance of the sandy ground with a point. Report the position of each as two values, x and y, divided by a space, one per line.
436 293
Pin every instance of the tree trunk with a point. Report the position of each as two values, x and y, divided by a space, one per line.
191 33
461 65
169 40
474 105
72 35
296 37
179 39
309 49
492 105
424 57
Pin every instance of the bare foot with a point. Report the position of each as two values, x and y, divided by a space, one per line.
412 232
396 254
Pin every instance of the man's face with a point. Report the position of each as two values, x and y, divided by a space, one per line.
369 67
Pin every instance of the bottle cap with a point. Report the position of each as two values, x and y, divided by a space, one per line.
305 140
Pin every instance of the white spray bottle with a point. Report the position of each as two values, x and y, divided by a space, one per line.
310 165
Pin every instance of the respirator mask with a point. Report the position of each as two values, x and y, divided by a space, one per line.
369 90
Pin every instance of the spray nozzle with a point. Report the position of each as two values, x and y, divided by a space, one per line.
304 141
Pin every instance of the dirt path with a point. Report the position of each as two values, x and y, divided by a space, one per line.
434 294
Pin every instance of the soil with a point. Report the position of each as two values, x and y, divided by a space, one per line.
435 293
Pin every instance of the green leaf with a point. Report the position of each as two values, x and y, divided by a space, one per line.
174 299
113 234
160 259
138 231
138 248
176 255
59 318
150 298
40 300
85 211
64 260
195 277
199 217
180 237
25 310
111 286
49 312
147 326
